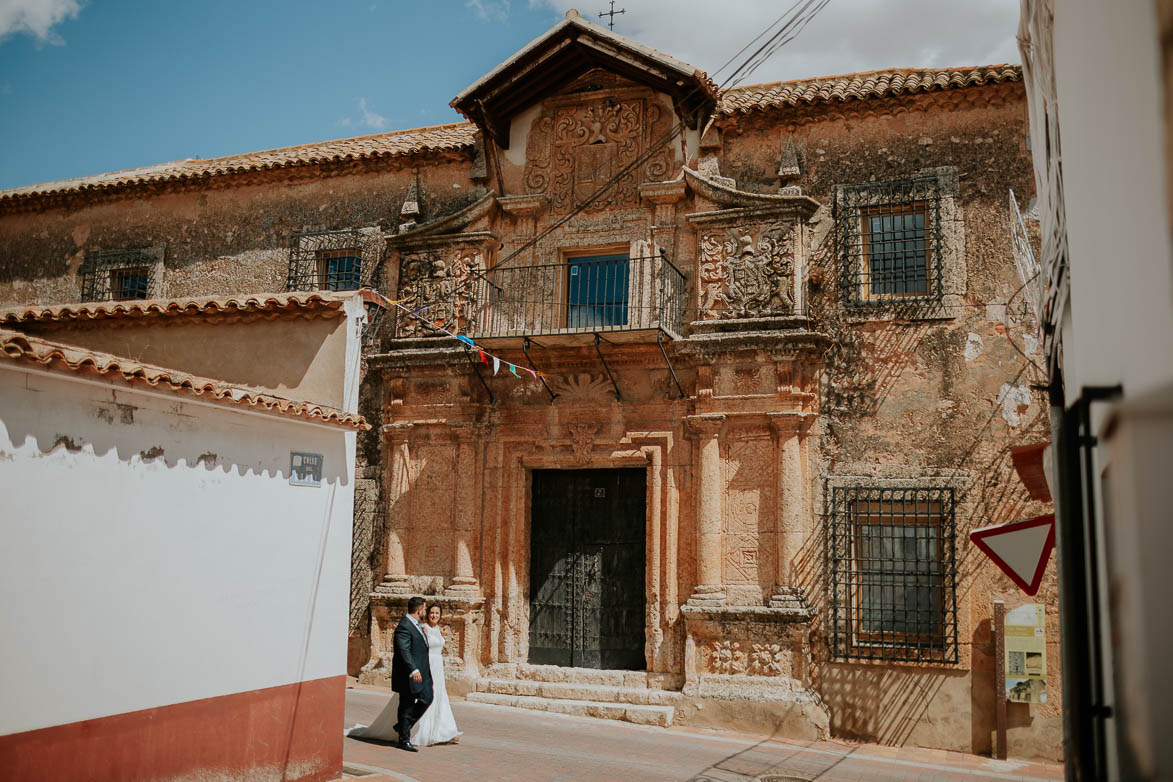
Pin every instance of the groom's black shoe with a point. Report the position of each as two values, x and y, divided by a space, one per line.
407 745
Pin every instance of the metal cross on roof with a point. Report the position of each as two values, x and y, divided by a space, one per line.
612 13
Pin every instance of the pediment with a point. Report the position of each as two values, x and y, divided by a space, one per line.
573 55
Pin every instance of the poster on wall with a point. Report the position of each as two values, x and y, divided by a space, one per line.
1026 654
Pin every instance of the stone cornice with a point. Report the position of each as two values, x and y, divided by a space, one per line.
449 225
740 204
523 205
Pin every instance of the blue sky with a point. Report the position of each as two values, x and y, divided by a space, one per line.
104 85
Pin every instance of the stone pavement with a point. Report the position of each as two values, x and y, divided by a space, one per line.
503 743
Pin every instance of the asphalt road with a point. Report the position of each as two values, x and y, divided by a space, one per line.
502 743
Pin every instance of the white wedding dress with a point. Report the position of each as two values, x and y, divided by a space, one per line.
437 726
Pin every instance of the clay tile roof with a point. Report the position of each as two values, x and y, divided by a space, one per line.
396 143
858 86
19 347
270 304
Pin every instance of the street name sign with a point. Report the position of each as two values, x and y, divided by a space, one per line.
1020 548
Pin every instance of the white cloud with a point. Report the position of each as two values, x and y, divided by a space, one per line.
370 118
37 17
490 10
847 36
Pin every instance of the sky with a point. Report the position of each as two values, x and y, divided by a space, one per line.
89 86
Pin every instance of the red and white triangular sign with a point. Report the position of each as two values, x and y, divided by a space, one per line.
1021 549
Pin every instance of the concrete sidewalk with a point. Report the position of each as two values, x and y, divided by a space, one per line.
503 743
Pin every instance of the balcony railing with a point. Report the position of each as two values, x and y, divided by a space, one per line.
603 294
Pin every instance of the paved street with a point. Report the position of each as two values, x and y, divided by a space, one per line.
528 746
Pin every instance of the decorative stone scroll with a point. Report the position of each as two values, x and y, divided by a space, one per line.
574 149
747 271
441 286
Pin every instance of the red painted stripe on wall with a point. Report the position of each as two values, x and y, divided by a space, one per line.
293 732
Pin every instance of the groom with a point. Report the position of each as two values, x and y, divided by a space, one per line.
411 673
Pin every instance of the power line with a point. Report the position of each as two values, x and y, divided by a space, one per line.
789 25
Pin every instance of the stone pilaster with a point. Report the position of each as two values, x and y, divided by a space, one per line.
395 580
710 590
464 582
789 431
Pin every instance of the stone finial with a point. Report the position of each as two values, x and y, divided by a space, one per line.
573 14
788 168
410 211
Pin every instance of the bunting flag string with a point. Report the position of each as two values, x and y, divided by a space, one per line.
438 325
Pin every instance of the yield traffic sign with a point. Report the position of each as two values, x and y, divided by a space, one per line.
1021 549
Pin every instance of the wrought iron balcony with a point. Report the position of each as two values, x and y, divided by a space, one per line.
597 295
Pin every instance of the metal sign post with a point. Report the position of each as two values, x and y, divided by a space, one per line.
999 680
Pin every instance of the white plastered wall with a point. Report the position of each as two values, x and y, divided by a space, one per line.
1119 330
1111 125
131 578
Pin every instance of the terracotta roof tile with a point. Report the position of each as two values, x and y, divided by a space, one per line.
396 143
273 304
16 346
858 86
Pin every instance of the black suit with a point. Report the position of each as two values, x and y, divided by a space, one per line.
411 654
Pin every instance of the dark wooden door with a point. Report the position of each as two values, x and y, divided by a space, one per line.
587 569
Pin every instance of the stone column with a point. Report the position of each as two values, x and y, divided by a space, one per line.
709 589
467 511
791 487
395 580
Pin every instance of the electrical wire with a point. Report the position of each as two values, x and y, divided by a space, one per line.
789 24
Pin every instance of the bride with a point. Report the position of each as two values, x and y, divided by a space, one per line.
438 725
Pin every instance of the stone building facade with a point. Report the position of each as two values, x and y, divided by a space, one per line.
777 363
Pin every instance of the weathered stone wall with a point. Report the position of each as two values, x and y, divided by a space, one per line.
940 399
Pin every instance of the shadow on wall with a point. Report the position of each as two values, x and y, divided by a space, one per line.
867 701
58 418
883 704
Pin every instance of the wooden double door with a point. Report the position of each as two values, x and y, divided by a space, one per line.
587 568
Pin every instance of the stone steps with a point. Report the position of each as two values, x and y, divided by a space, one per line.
576 691
593 676
638 714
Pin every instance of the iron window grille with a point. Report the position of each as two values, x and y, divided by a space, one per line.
889 242
327 260
893 574
118 275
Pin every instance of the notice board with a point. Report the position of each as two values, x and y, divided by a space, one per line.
1026 654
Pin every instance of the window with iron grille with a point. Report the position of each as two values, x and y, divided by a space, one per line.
327 260
890 241
118 275
893 574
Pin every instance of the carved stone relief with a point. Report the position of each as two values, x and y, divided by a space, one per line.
582 440
747 271
749 494
580 386
574 150
726 657
429 540
440 287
